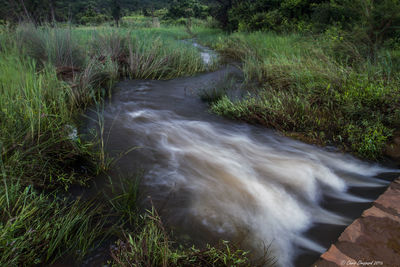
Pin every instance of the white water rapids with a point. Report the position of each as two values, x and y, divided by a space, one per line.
238 183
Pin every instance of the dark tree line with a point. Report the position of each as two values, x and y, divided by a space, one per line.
283 14
377 20
76 11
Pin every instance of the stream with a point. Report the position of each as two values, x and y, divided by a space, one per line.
212 178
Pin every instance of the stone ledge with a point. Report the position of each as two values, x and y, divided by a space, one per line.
371 240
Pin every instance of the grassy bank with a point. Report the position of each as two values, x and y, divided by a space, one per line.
48 76
314 89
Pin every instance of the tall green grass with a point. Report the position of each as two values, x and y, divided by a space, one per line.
34 114
37 152
282 60
137 21
49 45
149 53
303 89
210 37
35 229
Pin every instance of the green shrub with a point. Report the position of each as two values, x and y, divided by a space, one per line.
367 140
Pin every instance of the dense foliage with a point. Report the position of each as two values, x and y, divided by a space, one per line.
370 23
187 8
78 11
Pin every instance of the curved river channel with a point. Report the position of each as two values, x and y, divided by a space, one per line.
214 178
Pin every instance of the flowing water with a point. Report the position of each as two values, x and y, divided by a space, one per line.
213 178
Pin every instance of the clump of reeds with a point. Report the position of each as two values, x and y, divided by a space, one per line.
51 45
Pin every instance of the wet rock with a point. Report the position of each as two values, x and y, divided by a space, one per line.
371 240
390 200
335 257
393 149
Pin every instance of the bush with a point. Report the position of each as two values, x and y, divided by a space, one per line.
369 141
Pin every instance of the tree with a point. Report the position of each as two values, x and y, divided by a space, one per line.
116 11
374 22
222 12
40 11
52 11
187 9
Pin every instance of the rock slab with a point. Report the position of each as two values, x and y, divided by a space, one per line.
371 240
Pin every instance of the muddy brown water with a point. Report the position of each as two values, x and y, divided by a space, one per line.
214 178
